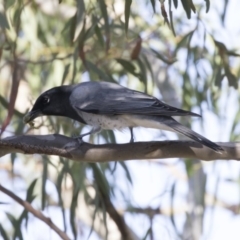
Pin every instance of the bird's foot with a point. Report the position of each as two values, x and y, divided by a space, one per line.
132 137
78 138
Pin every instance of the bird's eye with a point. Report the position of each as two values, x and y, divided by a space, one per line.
46 100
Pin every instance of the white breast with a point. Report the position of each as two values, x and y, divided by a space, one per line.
121 121
104 121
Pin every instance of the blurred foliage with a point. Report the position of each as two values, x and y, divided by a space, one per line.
140 44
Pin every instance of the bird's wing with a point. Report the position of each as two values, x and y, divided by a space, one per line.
113 99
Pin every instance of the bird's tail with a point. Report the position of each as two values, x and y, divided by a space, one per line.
195 136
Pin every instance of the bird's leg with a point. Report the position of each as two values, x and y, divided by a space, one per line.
132 137
95 129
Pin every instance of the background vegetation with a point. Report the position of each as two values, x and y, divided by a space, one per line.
184 52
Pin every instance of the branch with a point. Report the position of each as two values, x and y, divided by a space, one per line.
126 232
35 212
84 152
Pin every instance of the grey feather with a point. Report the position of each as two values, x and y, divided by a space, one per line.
113 99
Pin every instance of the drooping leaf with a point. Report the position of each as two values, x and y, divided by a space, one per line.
164 14
100 178
29 198
148 233
143 73
232 79
65 73
219 77
59 183
9 3
127 11
232 53
163 58
192 6
128 174
98 71
187 8
103 8
3 233
172 207
44 180
171 18
99 35
207 5
16 226
73 210
3 21
153 5
175 2
128 66
79 18
16 76
137 48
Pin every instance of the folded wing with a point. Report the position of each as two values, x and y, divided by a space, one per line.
112 99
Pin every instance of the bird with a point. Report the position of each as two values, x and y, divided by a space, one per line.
107 105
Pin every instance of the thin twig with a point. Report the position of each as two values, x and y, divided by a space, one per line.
35 212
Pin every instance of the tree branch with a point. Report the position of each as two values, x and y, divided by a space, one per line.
84 152
35 212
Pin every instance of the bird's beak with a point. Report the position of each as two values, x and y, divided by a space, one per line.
29 117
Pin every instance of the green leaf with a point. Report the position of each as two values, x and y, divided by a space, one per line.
5 104
65 73
3 233
171 19
127 66
149 67
79 18
75 58
219 77
106 23
9 3
172 207
232 53
127 13
44 180
3 21
100 178
232 79
207 5
143 75
187 8
98 71
175 2
99 35
30 197
153 5
147 233
16 225
72 212
128 175
163 58
60 179
183 41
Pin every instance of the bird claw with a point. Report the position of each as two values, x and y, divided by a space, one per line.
131 132
79 140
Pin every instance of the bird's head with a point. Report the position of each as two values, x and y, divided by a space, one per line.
52 102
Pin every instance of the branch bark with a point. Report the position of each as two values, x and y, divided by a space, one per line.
84 152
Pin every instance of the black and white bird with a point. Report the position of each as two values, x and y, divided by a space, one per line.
105 105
